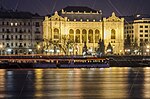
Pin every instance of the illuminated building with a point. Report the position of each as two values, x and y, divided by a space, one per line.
138 29
19 32
82 25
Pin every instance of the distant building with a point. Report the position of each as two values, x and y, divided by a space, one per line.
70 29
138 29
20 32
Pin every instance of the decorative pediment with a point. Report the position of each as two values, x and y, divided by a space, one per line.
113 18
56 17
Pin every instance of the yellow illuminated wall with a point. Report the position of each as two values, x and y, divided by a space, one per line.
55 27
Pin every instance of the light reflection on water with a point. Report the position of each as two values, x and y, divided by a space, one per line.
105 83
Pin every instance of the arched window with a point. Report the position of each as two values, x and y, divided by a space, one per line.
77 39
97 36
84 36
113 33
56 33
71 34
90 36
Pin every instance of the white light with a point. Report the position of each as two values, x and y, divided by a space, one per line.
90 50
8 50
30 50
147 50
58 51
11 24
138 15
109 50
1 46
51 50
46 50
135 51
70 50
16 24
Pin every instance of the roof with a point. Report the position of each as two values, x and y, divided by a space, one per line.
79 8
16 14
135 17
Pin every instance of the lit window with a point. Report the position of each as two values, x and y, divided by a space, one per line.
16 24
113 33
11 24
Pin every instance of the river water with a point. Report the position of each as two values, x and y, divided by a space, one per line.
107 83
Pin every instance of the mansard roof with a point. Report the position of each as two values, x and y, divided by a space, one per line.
16 14
78 8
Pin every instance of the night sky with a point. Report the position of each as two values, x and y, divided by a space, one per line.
44 7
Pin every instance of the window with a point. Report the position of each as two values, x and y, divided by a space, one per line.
16 44
90 36
11 37
146 40
25 44
146 26
141 35
8 31
3 30
16 24
16 30
56 33
141 40
3 37
29 31
77 39
12 44
71 34
29 23
146 35
113 33
141 31
141 26
3 23
146 31
84 36
16 37
97 36
37 24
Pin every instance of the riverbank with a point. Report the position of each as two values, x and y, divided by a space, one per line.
13 62
129 61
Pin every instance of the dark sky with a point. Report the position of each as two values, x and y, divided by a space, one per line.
44 7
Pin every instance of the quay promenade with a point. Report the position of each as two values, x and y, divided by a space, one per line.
52 61
114 61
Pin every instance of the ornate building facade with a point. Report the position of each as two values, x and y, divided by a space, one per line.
70 30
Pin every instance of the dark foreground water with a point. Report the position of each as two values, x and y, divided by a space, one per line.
109 83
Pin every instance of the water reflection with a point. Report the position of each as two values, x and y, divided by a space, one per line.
136 83
106 83
2 83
